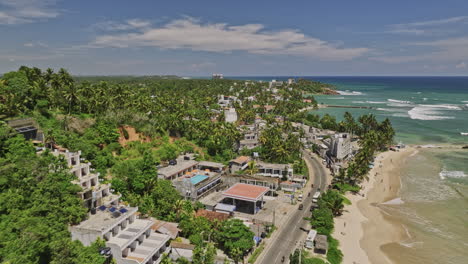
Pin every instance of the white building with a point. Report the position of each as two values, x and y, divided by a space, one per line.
340 146
217 76
131 240
93 193
230 115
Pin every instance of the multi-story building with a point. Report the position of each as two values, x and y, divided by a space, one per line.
93 193
201 181
340 146
131 240
274 170
230 115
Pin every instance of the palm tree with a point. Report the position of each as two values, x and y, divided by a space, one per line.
251 168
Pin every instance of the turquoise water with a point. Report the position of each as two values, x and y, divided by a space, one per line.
424 111
198 178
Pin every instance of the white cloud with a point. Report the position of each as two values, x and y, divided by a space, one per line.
443 50
436 22
461 65
26 11
36 44
427 27
130 24
189 33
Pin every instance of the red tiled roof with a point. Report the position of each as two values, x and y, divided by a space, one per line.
241 159
247 192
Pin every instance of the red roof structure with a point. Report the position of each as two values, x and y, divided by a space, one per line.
246 192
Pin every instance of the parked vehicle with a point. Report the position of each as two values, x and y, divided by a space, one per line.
315 197
299 198
301 206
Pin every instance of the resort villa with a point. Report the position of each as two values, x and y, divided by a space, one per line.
130 239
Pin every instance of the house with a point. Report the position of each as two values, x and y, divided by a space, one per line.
230 115
239 164
248 143
274 170
177 168
290 186
291 81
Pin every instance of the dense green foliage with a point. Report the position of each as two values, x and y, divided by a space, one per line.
235 238
37 203
304 258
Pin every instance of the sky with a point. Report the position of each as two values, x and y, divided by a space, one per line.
236 38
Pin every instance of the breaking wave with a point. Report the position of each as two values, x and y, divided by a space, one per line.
431 112
348 92
399 101
444 174
336 98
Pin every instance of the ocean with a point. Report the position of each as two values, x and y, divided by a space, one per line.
429 111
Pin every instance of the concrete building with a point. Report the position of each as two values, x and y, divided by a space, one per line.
132 240
217 76
230 115
248 143
183 165
227 101
239 164
200 182
274 170
93 194
28 128
291 81
245 197
272 183
340 146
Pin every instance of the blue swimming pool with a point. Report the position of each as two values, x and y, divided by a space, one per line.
198 178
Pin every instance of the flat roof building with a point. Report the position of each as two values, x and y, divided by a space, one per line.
246 197
184 165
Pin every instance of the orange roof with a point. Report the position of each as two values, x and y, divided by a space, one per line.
241 159
211 215
246 192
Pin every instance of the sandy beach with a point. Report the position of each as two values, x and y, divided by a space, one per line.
363 228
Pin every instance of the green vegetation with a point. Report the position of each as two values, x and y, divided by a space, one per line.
37 203
294 258
235 238
171 116
256 253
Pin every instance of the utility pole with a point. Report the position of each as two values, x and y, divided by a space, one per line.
274 211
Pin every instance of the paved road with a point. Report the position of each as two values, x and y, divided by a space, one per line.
290 233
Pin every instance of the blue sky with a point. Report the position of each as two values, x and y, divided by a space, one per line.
197 38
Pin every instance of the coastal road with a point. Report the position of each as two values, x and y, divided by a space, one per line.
290 234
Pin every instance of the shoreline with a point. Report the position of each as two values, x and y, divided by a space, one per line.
363 228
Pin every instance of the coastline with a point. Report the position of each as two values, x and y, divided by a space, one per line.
363 228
